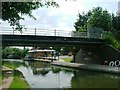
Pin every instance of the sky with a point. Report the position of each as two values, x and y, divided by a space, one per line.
64 17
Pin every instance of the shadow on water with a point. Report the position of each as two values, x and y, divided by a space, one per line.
45 75
87 79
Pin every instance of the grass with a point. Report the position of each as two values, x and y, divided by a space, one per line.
10 66
0 77
18 81
67 59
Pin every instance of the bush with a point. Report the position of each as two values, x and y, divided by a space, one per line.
13 53
111 39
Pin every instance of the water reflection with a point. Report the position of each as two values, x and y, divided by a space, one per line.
87 79
44 75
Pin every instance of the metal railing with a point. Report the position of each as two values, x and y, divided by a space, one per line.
51 32
88 35
36 31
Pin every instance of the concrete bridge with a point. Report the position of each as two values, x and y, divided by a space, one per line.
46 37
32 40
91 50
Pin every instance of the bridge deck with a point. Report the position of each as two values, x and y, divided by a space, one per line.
32 40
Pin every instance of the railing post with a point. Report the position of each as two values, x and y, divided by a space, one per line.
13 30
70 34
55 32
35 31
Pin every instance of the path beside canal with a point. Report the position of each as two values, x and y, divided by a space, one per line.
6 82
92 67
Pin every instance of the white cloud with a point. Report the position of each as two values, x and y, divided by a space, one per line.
64 17
66 8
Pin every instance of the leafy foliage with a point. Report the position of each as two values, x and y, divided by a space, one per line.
81 24
13 11
97 17
13 51
111 39
116 26
100 18
116 22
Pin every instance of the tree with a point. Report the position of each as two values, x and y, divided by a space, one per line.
97 17
116 25
6 51
100 18
114 21
81 24
13 11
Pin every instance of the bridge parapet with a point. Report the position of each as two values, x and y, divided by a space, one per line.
36 32
91 33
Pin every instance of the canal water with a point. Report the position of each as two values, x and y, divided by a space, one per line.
45 75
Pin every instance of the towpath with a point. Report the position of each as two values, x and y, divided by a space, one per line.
6 82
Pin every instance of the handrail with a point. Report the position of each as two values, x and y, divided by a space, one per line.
51 32
35 31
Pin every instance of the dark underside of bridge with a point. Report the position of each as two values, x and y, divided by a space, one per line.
31 40
98 47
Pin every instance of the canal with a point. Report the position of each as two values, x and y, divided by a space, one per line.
44 75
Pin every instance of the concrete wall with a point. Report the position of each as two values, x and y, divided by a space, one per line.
110 53
88 55
97 54
94 32
79 34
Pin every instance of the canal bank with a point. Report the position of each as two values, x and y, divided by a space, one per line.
10 76
6 79
92 67
45 75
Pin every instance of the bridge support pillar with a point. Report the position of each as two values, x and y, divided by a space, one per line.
89 55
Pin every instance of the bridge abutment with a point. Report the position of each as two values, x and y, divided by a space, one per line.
97 54
89 55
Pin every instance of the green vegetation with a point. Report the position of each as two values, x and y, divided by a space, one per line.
10 66
18 81
67 59
100 18
13 65
0 77
14 52
97 17
18 76
111 39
